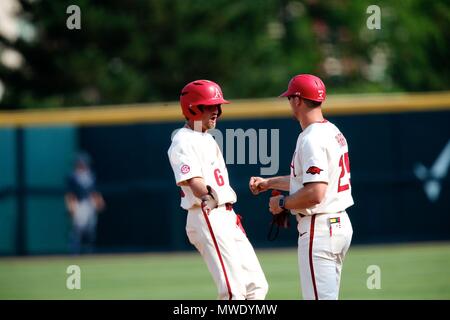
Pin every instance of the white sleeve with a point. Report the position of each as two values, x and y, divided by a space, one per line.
314 161
185 163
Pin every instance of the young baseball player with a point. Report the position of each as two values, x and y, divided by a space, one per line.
319 191
212 226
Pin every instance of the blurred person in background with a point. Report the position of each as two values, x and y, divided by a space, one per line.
83 202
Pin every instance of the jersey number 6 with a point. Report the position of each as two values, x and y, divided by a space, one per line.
219 178
344 163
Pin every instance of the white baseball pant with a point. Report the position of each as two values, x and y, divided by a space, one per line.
228 254
323 242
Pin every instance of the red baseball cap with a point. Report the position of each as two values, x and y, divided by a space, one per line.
306 86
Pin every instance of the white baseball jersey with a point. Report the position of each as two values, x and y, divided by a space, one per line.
196 154
321 155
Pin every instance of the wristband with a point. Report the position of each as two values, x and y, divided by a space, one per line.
281 202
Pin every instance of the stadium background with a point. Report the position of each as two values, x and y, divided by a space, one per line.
388 93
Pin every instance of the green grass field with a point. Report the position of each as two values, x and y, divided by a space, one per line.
413 271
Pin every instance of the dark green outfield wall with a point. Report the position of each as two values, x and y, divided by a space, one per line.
143 202
33 166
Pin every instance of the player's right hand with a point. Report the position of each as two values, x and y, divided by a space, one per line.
208 203
258 185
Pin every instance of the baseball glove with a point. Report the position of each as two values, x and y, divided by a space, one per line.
280 220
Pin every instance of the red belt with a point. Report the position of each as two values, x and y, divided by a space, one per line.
228 206
303 215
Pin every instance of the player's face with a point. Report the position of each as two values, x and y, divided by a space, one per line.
81 166
209 118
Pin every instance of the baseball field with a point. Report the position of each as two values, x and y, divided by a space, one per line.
407 271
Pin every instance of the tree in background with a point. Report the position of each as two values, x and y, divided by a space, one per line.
144 51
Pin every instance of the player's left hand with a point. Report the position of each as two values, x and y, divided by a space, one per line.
273 205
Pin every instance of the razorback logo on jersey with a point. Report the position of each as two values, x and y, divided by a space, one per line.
185 169
313 170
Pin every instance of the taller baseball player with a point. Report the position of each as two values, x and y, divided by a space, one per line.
212 226
319 191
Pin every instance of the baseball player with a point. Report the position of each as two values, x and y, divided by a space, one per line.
212 226
319 191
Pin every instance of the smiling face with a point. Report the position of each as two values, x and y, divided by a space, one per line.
209 116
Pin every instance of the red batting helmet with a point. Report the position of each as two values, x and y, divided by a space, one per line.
200 92
306 86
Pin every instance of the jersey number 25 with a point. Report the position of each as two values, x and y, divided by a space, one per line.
344 163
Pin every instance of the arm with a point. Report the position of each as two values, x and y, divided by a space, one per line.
200 190
309 196
71 202
279 183
197 186
313 161
98 200
258 184
312 194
